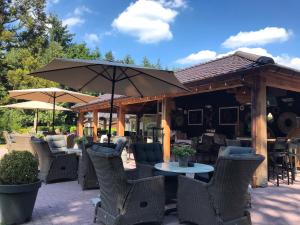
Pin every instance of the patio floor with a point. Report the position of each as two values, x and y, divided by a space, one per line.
65 203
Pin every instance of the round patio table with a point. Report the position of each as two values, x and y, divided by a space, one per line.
188 171
175 168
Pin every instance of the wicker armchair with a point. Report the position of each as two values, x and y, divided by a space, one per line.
87 177
56 142
54 166
146 156
124 201
18 142
222 201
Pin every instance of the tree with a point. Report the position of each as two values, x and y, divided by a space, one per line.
59 33
146 62
80 51
128 60
109 56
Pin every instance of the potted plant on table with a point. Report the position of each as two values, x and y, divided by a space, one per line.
19 185
182 153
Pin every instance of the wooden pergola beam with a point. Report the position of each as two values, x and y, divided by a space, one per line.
204 88
95 125
80 124
259 128
276 80
166 125
121 121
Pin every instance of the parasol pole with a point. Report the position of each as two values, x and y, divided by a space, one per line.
111 104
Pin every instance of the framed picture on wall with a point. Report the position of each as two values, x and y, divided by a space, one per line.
229 115
195 117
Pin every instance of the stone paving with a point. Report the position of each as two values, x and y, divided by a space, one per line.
65 203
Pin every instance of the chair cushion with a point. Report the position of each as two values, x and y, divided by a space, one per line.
235 150
56 142
150 153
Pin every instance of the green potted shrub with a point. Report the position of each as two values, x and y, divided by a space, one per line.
19 185
182 154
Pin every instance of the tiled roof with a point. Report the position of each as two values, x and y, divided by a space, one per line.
228 64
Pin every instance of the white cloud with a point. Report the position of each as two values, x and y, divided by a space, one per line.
73 21
201 56
81 10
76 17
261 37
91 38
148 20
207 55
52 1
174 3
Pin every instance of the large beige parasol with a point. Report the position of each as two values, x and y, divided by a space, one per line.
51 95
110 77
35 105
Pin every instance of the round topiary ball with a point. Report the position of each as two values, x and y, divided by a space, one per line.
18 167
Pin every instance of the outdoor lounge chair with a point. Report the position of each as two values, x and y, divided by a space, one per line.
87 177
222 201
56 142
125 201
146 155
54 166
18 142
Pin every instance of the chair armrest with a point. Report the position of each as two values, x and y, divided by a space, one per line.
146 192
132 174
145 170
193 198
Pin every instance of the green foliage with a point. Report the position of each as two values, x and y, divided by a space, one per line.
59 33
109 56
81 140
39 135
80 51
128 60
183 150
18 167
73 129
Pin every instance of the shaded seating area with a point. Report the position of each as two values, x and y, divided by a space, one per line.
54 166
223 200
125 201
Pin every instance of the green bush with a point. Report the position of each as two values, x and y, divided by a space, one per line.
18 167
183 150
73 129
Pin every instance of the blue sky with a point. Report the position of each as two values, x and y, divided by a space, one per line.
185 32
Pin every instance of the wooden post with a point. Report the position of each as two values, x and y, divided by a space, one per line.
166 125
121 121
259 129
95 125
80 124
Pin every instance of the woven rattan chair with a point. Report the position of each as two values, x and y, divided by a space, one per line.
146 155
124 201
56 142
18 142
87 177
223 200
54 166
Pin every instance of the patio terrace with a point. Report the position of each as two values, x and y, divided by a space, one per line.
65 203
